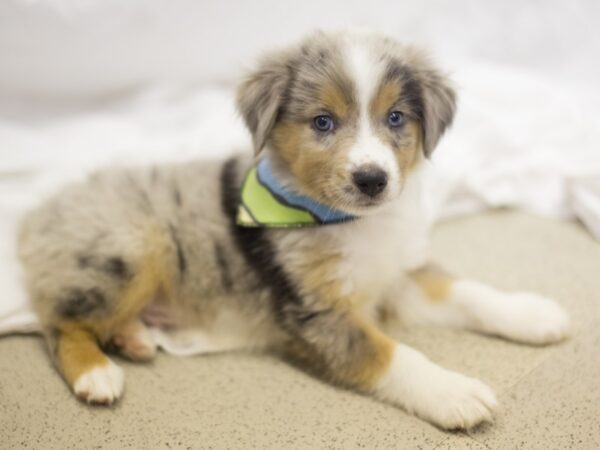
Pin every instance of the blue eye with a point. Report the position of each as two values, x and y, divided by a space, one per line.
395 119
323 123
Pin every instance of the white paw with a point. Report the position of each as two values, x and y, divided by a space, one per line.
533 319
454 401
445 398
102 384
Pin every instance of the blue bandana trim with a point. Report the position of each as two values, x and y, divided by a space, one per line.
322 213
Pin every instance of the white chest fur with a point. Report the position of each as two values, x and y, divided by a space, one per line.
377 249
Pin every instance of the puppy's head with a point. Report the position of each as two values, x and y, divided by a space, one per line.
347 116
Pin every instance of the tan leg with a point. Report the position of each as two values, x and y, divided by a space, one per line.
90 373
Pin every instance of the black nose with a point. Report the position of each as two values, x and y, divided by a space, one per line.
370 181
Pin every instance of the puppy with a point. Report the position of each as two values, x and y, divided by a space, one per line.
298 249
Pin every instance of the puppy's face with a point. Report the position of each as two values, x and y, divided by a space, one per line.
347 116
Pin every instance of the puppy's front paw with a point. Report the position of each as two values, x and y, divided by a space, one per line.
445 398
100 385
534 319
453 401
459 402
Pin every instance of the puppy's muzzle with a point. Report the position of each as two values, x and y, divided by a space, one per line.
370 180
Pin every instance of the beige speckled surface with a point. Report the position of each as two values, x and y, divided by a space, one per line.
550 397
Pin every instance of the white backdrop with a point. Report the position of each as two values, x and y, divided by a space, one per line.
84 47
86 83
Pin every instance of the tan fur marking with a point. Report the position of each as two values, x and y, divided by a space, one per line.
410 152
435 282
290 138
362 352
370 359
386 96
154 275
317 166
361 368
335 100
408 145
78 352
318 276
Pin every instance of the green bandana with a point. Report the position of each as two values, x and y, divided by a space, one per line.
267 203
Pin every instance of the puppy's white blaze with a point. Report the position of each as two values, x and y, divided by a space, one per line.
445 398
366 73
102 384
364 70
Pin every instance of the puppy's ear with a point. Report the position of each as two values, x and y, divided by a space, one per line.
439 105
260 95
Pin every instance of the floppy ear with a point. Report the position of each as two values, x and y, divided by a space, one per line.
260 96
439 105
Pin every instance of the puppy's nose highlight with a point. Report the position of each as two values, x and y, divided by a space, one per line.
371 181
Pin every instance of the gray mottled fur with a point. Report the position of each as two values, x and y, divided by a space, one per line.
82 247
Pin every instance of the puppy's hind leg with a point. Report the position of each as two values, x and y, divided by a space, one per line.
84 308
92 375
135 341
432 296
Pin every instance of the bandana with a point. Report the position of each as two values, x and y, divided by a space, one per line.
265 202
